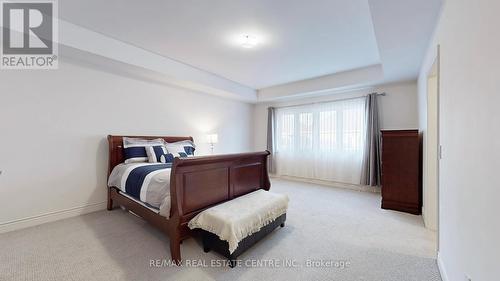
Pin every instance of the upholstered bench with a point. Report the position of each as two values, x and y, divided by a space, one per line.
234 226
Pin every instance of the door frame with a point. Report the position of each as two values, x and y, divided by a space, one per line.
434 67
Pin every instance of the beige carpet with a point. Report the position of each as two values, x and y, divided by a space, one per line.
344 228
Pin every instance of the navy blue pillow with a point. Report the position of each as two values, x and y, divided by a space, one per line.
189 150
135 154
167 158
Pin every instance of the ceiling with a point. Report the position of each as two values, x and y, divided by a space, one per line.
298 39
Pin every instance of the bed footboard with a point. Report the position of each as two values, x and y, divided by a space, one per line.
197 183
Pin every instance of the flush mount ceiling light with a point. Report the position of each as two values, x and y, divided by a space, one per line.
248 41
247 38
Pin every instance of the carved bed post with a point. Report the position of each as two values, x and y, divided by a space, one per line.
267 182
175 242
110 200
175 213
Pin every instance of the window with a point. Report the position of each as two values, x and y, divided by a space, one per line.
352 124
286 134
328 130
321 141
305 131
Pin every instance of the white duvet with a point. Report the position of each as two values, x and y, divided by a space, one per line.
155 189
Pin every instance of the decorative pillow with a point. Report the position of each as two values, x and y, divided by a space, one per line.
181 148
154 153
134 149
167 158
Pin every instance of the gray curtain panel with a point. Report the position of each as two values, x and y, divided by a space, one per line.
271 120
371 158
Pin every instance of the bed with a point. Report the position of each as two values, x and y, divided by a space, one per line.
185 187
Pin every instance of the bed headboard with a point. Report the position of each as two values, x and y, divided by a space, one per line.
116 147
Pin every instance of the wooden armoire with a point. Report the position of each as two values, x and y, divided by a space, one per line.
401 175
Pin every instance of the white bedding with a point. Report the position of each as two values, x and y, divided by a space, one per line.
155 189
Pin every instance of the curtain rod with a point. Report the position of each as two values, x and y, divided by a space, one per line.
327 101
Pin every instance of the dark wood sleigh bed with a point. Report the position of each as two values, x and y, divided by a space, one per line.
196 183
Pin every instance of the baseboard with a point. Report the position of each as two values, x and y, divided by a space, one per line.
442 270
51 216
355 187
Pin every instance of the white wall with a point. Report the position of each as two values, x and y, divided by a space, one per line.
469 224
398 110
53 149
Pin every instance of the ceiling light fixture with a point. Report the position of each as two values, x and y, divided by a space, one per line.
248 41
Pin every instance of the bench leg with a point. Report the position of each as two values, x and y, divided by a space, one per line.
206 249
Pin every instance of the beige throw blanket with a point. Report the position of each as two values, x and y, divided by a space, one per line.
234 220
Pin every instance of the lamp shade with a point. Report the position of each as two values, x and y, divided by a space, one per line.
212 138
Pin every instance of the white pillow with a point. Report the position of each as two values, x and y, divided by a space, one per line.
134 149
181 148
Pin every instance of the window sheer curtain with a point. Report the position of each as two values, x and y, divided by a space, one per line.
321 141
